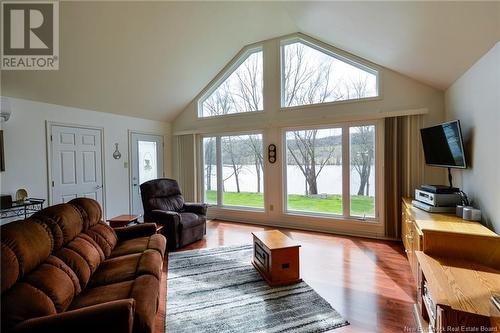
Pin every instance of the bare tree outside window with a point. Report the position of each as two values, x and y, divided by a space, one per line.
309 155
314 156
362 152
311 76
239 92
210 169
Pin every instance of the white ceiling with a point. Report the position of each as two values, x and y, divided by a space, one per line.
150 59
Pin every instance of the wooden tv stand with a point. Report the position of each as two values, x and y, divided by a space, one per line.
453 295
456 265
414 221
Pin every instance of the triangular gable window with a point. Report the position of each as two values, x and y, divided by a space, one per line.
313 75
240 90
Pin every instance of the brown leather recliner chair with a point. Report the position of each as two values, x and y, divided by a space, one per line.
184 223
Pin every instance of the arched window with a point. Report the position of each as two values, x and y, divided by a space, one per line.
313 75
238 91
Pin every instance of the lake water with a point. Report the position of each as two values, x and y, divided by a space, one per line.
329 180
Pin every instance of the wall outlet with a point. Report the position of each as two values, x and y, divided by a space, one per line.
125 165
271 207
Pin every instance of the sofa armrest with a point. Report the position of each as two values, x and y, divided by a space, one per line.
197 208
135 231
165 216
171 222
115 316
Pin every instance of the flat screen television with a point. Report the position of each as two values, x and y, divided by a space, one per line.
443 146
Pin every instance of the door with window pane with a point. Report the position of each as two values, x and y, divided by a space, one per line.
146 163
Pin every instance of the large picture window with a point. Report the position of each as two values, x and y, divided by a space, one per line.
311 75
316 177
239 92
239 161
314 170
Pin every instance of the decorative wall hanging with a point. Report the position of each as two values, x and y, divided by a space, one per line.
117 155
21 195
271 153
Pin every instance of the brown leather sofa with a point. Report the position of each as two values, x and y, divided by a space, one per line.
184 223
64 270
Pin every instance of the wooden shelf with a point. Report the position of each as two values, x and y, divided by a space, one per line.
461 285
422 324
459 261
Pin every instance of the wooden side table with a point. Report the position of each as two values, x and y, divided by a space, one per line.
123 220
276 257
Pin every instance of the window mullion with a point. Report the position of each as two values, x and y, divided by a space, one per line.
220 181
346 187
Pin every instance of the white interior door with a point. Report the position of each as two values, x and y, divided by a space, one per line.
146 164
76 163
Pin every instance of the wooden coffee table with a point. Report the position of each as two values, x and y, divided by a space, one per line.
123 220
276 257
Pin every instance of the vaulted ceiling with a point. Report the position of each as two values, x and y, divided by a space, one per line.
149 59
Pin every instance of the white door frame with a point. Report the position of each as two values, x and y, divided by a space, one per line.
48 128
130 132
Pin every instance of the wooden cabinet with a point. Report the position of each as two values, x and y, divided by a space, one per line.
454 295
412 238
414 221
456 265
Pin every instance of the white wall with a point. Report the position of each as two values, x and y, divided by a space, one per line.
26 148
399 95
474 99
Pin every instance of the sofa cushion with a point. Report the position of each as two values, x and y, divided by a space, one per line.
144 290
46 290
24 302
103 235
89 209
65 222
24 246
83 256
190 220
128 267
155 242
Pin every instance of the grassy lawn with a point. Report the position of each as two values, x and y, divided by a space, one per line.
330 205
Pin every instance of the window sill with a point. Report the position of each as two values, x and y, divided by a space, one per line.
238 209
341 218
230 115
327 104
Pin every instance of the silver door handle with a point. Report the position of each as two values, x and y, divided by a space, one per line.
98 187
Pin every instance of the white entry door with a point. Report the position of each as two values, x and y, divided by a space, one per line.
76 163
146 164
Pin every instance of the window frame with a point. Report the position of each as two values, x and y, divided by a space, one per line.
220 182
330 51
226 72
346 175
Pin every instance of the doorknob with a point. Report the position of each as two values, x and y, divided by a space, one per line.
98 187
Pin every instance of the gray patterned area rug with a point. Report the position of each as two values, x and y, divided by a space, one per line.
219 291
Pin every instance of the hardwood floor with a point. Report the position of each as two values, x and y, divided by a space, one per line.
367 281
